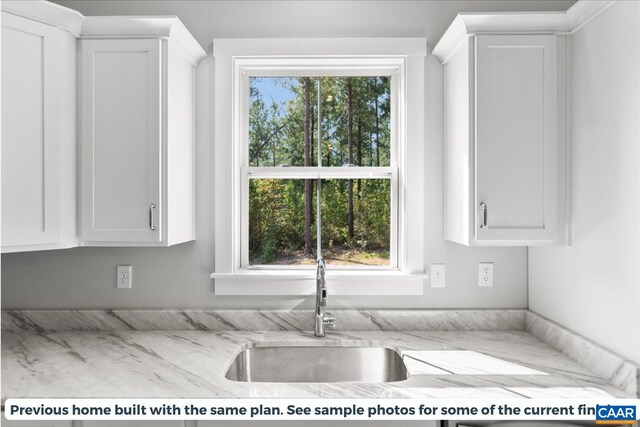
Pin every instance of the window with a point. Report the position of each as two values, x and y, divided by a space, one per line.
327 138
297 172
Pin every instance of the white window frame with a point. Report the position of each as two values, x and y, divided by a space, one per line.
238 59
245 68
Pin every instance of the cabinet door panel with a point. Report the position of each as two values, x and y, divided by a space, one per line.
516 137
121 146
29 134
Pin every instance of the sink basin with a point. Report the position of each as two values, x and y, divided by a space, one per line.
317 364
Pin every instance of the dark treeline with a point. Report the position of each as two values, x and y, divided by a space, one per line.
355 131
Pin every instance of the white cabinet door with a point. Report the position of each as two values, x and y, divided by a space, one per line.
121 141
516 137
30 181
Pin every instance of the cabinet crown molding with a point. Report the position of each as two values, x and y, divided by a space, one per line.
144 27
111 27
469 24
583 12
561 23
47 13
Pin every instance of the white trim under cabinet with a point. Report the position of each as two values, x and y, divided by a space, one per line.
505 126
38 131
138 132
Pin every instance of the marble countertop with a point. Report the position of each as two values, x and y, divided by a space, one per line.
192 364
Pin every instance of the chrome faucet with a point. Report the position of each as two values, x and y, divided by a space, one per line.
321 301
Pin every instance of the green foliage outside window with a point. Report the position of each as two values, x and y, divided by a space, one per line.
356 129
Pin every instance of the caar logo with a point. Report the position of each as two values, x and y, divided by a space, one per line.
615 414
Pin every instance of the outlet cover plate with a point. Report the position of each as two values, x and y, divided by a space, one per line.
437 276
123 276
485 274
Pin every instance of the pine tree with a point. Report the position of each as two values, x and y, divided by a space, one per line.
350 151
308 183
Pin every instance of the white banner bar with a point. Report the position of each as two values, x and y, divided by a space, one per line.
619 410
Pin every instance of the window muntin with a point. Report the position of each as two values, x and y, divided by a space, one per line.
371 166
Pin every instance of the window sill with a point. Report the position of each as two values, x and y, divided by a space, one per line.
302 283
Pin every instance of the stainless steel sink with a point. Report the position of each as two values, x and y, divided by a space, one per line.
317 364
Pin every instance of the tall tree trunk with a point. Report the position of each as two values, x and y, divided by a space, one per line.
359 151
308 185
377 126
350 146
370 149
312 145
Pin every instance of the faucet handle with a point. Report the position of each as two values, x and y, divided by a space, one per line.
329 320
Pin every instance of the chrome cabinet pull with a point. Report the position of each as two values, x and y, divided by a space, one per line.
152 226
484 215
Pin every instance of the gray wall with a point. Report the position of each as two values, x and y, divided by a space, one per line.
593 286
178 277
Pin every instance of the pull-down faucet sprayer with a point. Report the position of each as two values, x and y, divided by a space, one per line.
321 301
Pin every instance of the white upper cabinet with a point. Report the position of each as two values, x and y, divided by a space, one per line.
505 129
38 126
129 117
137 121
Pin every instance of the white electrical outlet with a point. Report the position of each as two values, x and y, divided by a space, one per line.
123 277
437 275
485 274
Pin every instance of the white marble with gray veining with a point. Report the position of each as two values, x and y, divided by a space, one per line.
604 364
612 367
192 364
260 320
468 362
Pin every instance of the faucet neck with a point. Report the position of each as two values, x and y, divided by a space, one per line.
321 298
321 287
